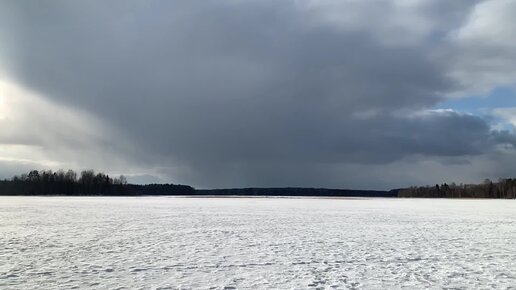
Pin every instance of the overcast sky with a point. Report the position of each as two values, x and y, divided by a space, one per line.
229 93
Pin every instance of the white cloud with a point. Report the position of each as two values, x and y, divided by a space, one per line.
489 24
393 23
508 114
484 54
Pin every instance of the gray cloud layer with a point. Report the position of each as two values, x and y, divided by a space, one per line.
257 93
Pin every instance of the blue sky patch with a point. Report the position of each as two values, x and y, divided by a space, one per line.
502 97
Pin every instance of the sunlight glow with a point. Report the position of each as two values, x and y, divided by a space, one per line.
35 131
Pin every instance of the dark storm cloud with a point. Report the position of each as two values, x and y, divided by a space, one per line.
223 93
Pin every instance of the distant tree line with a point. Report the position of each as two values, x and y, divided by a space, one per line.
62 182
48 182
504 188
298 191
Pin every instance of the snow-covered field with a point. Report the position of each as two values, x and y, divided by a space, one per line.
256 243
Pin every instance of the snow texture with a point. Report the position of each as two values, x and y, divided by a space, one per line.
256 243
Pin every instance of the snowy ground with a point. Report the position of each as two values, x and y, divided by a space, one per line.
256 243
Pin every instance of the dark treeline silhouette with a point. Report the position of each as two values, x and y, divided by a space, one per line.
88 182
298 191
504 188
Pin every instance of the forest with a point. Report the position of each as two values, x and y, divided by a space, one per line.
504 188
70 183
48 182
299 191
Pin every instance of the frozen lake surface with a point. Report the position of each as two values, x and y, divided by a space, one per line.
256 243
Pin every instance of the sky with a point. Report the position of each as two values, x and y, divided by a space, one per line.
230 93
